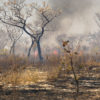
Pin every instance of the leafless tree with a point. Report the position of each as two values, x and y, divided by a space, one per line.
14 35
3 39
30 48
17 13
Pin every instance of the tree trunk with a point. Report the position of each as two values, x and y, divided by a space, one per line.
30 48
12 49
39 51
75 78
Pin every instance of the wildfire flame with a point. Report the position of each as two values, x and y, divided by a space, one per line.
55 52
35 53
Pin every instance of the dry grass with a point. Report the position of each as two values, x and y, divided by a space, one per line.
22 77
20 71
54 73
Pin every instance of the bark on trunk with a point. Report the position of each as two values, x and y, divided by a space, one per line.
30 48
12 49
39 51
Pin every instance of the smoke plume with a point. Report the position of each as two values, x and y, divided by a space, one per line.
78 16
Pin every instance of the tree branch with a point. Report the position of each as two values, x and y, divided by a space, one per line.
10 24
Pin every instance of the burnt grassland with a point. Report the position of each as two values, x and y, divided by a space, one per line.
21 79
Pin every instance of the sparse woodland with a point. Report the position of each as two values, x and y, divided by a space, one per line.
69 72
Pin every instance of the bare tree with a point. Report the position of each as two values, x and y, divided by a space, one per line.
30 48
19 14
14 34
3 39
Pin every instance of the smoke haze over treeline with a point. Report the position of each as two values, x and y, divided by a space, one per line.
77 19
78 16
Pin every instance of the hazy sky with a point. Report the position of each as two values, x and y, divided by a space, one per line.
78 16
37 1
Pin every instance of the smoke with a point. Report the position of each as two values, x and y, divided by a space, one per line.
78 16
71 7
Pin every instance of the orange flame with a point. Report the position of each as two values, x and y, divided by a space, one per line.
35 53
55 52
